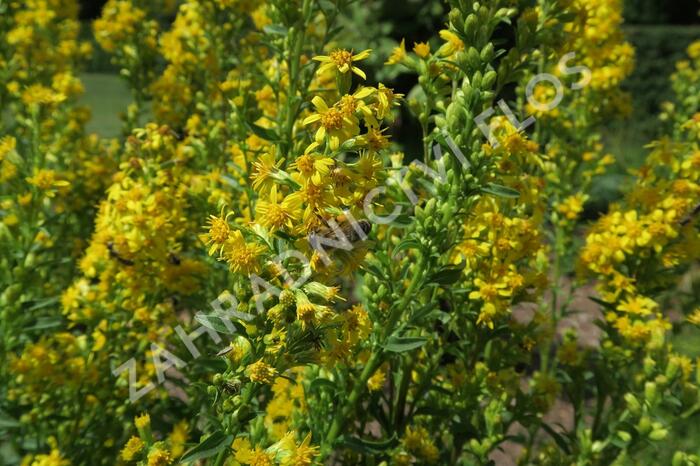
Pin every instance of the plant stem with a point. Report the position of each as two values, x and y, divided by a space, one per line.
357 390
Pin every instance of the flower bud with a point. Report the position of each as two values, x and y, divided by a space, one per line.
644 425
672 369
489 79
473 58
487 53
658 434
650 392
632 403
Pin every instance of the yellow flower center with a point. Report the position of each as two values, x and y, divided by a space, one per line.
488 292
332 119
305 164
219 230
275 216
341 58
347 105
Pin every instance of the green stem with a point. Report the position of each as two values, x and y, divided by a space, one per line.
358 389
408 295
402 392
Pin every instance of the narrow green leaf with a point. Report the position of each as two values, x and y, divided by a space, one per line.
448 275
275 30
43 323
264 133
369 446
218 323
403 344
320 383
407 243
558 438
500 191
207 448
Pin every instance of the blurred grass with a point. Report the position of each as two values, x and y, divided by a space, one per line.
107 96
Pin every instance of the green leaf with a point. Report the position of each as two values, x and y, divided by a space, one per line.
369 446
374 270
406 244
402 220
402 344
500 191
605 304
7 422
209 447
558 438
217 323
264 133
448 275
43 323
320 383
275 30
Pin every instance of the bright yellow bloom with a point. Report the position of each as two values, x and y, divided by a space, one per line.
422 49
142 421
242 257
302 454
338 126
158 457
261 372
276 213
638 305
263 169
376 382
398 54
46 180
342 60
452 43
219 232
132 448
313 167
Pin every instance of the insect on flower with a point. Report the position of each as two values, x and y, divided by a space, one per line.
115 255
341 229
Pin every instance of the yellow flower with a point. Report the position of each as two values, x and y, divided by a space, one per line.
142 421
386 99
261 372
178 438
158 457
7 145
52 459
245 454
572 206
338 126
398 54
422 49
488 291
302 454
376 382
38 94
452 43
132 448
639 305
342 60
45 180
275 213
242 257
263 169
313 167
694 318
219 232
